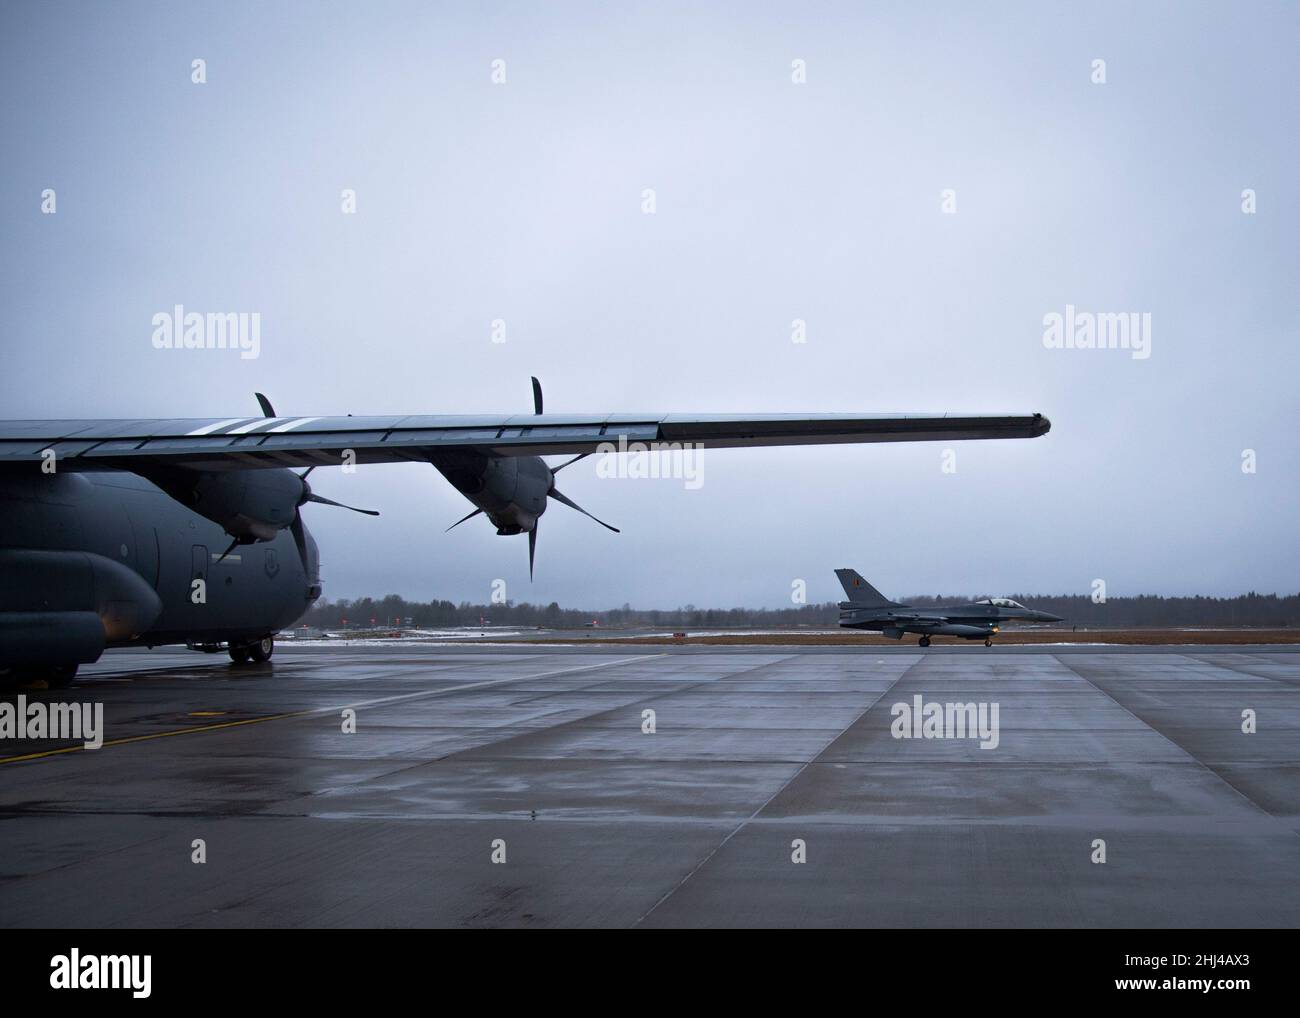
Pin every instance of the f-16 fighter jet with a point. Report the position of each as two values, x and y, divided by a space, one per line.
867 608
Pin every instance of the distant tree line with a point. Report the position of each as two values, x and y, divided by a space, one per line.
1258 610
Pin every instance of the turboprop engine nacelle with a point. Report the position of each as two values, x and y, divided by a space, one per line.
250 505
510 490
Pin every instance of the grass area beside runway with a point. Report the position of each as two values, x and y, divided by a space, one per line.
835 638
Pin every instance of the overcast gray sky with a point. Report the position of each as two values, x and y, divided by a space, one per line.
775 201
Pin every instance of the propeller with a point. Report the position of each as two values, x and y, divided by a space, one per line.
462 520
564 499
311 496
296 527
299 538
569 463
552 492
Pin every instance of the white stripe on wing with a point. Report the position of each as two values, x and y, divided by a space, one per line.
208 429
297 423
255 425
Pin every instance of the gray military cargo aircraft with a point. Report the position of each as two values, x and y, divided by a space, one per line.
117 533
867 608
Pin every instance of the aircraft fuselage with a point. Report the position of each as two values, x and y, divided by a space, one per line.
110 550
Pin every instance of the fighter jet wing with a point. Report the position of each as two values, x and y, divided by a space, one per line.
240 443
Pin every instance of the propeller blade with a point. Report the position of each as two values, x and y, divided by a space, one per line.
559 497
532 550
233 545
303 475
463 519
299 539
580 456
313 497
265 404
537 396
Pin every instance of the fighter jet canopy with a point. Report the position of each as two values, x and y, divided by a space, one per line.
1002 602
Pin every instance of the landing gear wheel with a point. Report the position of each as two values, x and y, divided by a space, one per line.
238 653
925 641
262 649
988 641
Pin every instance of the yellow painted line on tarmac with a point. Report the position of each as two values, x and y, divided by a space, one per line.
421 694
80 748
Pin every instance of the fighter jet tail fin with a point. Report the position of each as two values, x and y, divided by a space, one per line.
859 591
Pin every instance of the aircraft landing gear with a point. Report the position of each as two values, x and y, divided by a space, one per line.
924 641
988 641
259 651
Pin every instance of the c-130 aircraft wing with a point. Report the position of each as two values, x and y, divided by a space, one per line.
242 443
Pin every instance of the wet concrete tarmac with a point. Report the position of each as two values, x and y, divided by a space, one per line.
754 751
